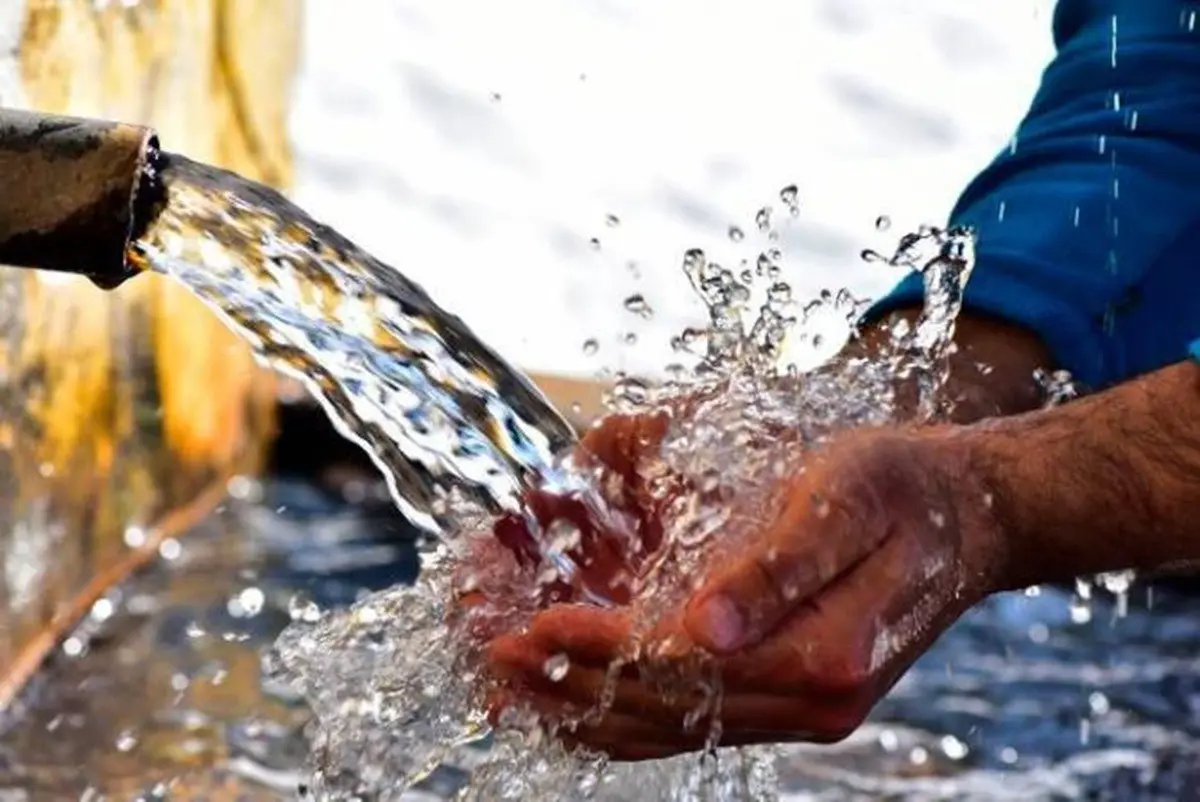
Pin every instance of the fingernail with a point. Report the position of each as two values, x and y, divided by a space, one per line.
723 623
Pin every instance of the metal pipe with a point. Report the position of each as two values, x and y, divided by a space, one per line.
75 193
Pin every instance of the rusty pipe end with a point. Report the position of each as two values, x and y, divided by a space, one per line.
77 193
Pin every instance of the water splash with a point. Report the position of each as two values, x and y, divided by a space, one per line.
393 683
389 681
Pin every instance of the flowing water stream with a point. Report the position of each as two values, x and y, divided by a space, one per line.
460 436
434 406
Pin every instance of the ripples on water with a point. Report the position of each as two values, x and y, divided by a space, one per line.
457 432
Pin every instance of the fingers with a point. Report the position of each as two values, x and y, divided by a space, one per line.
567 656
832 519
629 719
606 545
861 632
808 546
619 736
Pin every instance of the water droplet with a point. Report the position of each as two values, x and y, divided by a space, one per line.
103 609
135 537
762 219
638 305
870 255
820 505
612 221
779 293
126 741
630 338
883 223
736 234
594 243
1081 610
170 549
953 748
563 536
1117 583
556 667
591 346
790 197
688 340
251 601
301 608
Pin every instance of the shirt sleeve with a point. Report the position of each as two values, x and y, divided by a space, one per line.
1088 225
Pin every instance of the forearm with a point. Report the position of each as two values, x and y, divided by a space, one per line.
991 370
1107 483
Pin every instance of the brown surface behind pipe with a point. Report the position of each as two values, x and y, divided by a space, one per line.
70 193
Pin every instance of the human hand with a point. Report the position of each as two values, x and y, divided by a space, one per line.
796 631
607 529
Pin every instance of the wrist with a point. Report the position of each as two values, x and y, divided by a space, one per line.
1004 481
1069 494
987 550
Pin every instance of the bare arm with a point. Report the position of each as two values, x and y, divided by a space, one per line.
1105 483
991 371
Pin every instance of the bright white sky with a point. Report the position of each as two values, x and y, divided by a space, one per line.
680 117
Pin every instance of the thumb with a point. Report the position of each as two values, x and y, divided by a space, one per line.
817 537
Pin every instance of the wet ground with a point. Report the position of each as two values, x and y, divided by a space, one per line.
157 694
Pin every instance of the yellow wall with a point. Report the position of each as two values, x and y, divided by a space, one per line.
116 408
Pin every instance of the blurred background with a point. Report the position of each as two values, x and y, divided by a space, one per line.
482 146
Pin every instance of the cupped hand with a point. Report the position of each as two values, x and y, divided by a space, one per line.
607 529
880 542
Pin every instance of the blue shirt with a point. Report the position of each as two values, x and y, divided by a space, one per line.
1089 224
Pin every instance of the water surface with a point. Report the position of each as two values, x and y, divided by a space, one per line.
1027 698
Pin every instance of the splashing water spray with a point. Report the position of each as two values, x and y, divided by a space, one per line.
395 694
461 438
